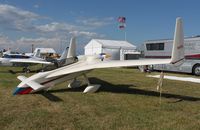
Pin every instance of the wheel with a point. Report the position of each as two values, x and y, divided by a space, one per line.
196 70
26 70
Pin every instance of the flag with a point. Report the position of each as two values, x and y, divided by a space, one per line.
122 22
121 19
122 26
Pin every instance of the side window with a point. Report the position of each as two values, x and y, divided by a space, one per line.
25 57
6 56
155 46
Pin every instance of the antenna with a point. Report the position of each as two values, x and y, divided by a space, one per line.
32 48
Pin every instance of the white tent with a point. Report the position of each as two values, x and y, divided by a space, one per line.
45 50
119 50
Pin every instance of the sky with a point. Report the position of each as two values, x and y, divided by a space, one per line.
51 23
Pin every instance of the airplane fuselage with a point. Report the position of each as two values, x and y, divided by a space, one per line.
47 83
6 60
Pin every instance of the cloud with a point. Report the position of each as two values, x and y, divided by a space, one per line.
86 34
36 6
15 18
55 26
67 28
24 44
40 42
4 39
83 25
5 42
49 34
95 22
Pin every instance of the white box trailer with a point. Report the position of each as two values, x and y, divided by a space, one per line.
163 48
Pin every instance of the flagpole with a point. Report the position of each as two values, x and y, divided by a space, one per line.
125 34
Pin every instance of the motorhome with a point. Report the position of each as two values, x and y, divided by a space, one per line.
162 49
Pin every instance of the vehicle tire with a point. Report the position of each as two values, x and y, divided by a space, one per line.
26 70
196 70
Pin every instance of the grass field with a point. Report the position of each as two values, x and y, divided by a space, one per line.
126 100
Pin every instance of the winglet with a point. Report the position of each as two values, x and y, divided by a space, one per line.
178 44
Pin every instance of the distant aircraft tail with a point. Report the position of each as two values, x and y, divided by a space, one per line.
70 51
7 52
178 44
69 54
64 54
37 53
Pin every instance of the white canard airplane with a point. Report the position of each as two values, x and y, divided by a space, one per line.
21 60
46 80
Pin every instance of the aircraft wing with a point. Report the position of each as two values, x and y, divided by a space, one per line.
84 66
30 61
34 85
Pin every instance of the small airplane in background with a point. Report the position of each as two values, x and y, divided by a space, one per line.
81 65
67 56
21 60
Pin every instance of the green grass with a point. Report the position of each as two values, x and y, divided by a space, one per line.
126 100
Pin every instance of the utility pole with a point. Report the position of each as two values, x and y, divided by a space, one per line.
32 48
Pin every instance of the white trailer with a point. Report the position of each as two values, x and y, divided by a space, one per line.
162 49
